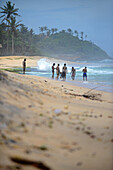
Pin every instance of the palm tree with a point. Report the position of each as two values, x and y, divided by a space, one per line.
52 30
45 29
48 32
85 36
13 25
41 29
2 35
30 36
56 30
8 10
63 31
24 29
69 30
82 35
76 32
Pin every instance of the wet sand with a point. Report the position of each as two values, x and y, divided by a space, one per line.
46 124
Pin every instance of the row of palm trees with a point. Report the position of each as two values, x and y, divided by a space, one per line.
9 16
48 32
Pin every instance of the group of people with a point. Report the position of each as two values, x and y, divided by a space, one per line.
64 72
59 73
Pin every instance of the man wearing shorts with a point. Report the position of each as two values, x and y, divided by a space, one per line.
58 71
84 73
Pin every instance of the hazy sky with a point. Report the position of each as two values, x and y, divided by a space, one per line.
93 17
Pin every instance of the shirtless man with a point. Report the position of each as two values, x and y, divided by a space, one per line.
73 72
84 73
64 71
24 66
53 68
57 71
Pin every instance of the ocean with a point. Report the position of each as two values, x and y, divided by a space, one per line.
99 74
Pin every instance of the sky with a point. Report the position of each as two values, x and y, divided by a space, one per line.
93 17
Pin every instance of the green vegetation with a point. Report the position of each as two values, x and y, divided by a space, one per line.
9 12
12 70
43 147
50 124
66 46
41 114
17 39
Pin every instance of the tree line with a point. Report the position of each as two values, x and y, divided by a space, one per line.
16 39
46 31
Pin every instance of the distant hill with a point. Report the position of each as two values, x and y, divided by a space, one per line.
65 45
68 47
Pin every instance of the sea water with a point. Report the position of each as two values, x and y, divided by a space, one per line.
99 74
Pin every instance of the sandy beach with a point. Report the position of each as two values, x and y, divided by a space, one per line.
52 125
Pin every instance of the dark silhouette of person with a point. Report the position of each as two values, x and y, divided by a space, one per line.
53 68
24 65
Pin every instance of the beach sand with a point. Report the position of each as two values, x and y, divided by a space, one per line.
51 125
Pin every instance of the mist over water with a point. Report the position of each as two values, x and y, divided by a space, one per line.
100 74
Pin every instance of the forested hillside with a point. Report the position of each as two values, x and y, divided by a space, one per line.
62 44
65 45
17 39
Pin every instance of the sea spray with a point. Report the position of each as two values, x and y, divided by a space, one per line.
44 65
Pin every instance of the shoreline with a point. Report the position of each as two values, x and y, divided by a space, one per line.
95 86
16 61
86 84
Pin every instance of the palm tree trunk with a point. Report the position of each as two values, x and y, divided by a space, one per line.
8 41
12 43
7 45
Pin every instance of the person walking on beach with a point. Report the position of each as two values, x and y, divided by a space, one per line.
73 72
24 65
85 73
64 71
57 71
53 68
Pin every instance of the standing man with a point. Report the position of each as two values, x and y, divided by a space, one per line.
64 71
85 73
24 65
73 72
53 68
58 71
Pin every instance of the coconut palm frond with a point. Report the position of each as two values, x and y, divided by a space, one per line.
2 16
4 12
4 9
15 10
16 14
18 25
